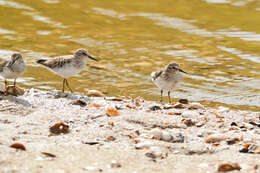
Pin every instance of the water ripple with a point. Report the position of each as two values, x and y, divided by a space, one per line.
110 13
5 31
253 58
15 5
44 19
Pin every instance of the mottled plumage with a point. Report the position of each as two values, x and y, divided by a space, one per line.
168 79
67 66
13 68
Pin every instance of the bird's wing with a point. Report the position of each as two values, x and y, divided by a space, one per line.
3 64
155 75
55 62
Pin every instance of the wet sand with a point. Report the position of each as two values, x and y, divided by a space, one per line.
134 136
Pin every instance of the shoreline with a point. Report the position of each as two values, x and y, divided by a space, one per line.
120 134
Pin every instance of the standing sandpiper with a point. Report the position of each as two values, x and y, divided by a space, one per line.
67 66
11 69
168 79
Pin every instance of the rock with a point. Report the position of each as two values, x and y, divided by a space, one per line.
60 94
196 105
184 101
188 122
111 138
154 108
94 93
14 90
79 102
233 141
215 138
233 124
177 138
156 133
243 150
115 164
226 167
179 106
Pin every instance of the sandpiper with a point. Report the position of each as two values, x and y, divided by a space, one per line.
68 65
168 79
11 69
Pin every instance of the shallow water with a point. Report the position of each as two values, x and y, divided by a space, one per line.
216 41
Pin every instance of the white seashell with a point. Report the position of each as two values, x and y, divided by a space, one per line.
222 109
190 114
196 105
156 133
154 152
142 145
166 136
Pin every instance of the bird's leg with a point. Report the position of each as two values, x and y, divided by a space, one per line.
6 83
169 96
161 96
63 85
14 86
14 82
67 83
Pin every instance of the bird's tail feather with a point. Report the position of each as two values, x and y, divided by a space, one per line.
41 61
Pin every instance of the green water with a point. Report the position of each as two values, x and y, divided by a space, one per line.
216 41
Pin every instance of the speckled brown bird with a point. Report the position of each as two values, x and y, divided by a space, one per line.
168 79
13 68
67 66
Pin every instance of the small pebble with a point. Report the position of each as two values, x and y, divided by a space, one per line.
115 164
154 108
184 101
243 150
79 102
177 138
188 122
215 138
178 106
95 93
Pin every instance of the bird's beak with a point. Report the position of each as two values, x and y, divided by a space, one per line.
182 71
92 58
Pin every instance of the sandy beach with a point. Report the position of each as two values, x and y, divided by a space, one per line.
121 134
